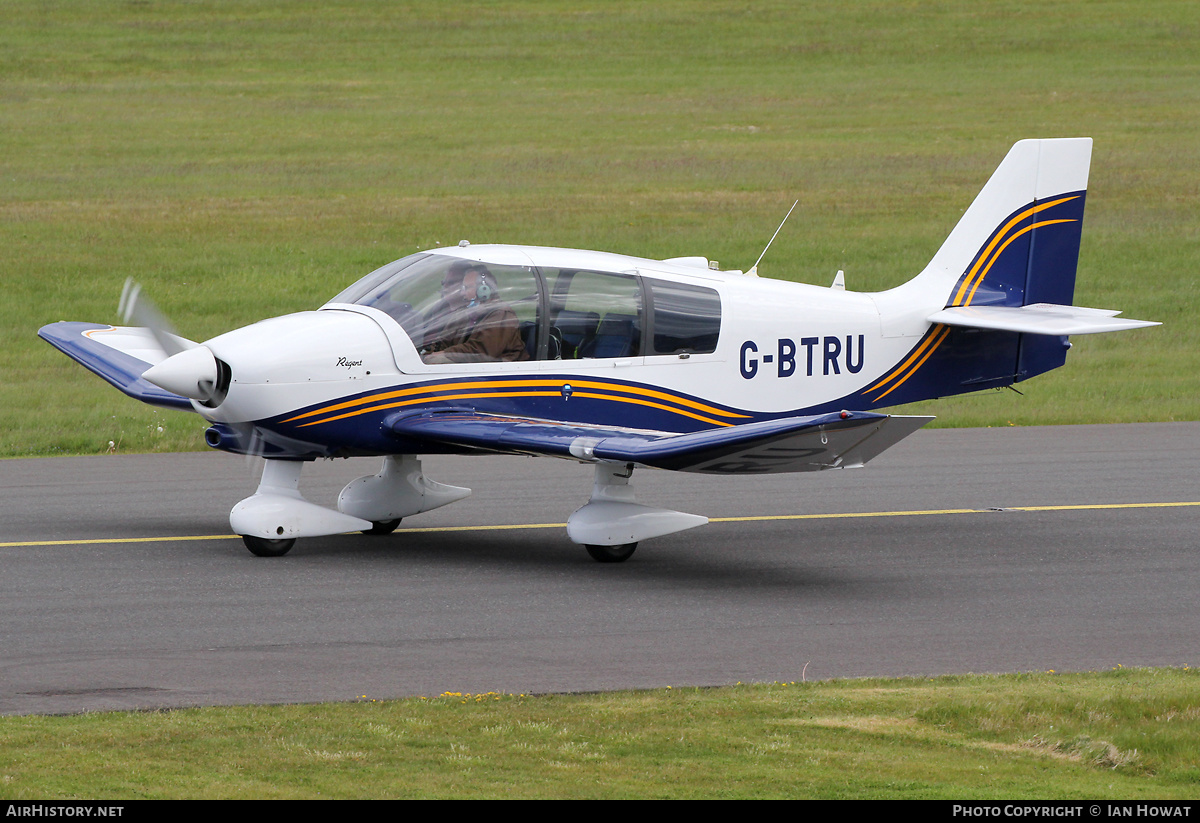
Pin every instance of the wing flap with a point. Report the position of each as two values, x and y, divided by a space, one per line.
1038 318
792 444
119 354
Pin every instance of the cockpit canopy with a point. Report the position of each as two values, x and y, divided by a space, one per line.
470 311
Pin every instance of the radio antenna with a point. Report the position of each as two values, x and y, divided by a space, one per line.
754 269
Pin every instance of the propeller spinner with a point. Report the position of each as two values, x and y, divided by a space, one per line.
191 373
187 369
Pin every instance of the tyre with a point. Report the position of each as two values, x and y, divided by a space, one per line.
611 554
264 547
383 526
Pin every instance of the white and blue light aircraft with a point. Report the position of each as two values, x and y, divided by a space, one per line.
615 361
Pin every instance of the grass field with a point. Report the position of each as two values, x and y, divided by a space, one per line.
1129 734
249 159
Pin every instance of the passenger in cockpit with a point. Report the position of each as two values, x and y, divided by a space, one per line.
471 324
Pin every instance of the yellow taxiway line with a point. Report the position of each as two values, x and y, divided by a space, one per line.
764 517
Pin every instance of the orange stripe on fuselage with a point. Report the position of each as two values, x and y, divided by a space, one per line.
483 387
478 395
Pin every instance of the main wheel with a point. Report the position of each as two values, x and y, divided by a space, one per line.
611 554
263 547
383 526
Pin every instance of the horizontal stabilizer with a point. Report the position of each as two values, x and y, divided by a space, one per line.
119 354
791 444
1038 318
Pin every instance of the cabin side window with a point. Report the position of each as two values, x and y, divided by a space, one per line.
596 314
686 318
462 311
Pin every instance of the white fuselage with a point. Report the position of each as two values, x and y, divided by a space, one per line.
783 347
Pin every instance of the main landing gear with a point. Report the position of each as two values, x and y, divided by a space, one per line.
612 524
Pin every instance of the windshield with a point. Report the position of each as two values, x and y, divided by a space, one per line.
369 283
455 310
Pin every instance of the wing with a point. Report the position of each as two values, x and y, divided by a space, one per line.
119 354
790 444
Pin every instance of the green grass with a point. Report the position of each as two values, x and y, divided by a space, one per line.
249 159
1124 733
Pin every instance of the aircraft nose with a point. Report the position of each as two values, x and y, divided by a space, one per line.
191 373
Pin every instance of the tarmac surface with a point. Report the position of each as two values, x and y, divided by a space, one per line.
121 586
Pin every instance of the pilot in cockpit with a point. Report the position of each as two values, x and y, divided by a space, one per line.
471 324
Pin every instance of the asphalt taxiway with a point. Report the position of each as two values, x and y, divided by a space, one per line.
959 550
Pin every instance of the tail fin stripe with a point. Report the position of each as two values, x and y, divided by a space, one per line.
1025 230
987 252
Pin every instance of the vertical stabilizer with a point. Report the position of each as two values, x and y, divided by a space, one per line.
1018 243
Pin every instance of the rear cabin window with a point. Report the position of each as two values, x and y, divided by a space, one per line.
686 318
595 314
